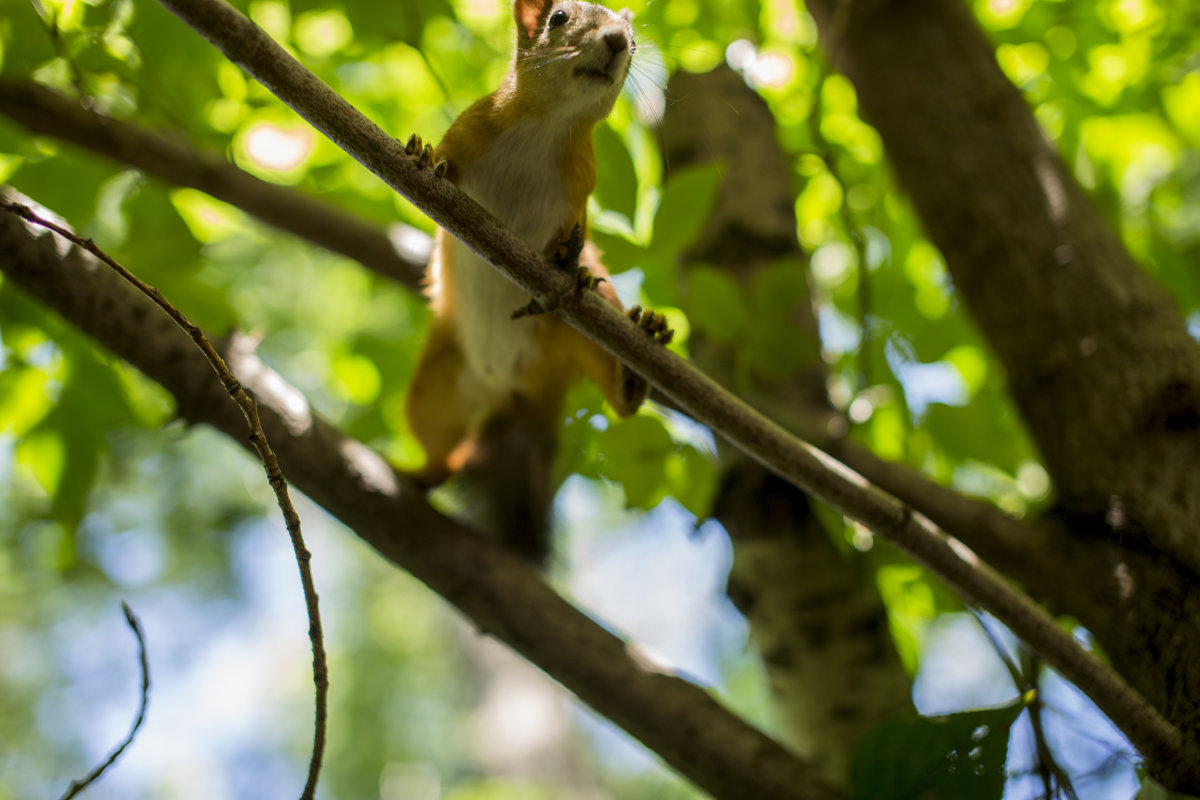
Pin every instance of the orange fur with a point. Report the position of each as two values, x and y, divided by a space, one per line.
525 153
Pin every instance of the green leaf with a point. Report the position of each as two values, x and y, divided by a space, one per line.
715 303
1153 790
692 480
777 342
67 183
684 209
24 42
911 757
634 452
616 182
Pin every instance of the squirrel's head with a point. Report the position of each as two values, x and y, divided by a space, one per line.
572 57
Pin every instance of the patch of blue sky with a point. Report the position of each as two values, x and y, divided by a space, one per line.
924 382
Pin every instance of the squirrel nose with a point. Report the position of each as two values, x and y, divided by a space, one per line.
616 41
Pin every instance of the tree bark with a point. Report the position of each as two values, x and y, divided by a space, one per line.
1098 358
815 616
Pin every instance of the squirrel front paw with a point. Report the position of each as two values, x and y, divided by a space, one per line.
654 324
423 153
566 257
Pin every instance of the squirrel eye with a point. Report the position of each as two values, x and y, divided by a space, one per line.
559 18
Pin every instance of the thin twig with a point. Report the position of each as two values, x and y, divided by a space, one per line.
1025 678
816 472
1055 779
274 475
78 786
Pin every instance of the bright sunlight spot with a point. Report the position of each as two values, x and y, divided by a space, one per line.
279 149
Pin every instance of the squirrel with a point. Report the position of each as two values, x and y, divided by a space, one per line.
485 402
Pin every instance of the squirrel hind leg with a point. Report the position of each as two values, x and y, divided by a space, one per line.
507 478
438 413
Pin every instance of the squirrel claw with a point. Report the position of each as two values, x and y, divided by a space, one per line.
584 281
567 254
531 309
654 324
424 154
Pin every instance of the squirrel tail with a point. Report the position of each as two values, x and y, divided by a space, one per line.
508 478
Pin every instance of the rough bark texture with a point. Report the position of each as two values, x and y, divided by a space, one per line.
817 620
1098 358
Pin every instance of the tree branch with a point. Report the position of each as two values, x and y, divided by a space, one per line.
1097 356
265 454
42 110
499 592
995 536
798 462
136 626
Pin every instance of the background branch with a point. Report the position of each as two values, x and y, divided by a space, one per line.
42 110
805 466
815 613
498 592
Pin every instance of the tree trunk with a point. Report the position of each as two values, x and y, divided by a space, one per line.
815 616
1098 358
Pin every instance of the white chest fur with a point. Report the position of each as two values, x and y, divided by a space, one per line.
518 181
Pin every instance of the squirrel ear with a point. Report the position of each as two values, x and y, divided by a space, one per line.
528 14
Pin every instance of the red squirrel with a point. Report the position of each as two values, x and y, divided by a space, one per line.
486 399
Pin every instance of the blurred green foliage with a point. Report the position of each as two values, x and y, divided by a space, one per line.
89 461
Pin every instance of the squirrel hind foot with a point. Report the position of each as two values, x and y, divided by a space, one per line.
653 323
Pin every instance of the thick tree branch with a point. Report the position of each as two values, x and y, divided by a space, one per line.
808 468
501 594
798 462
1097 356
44 111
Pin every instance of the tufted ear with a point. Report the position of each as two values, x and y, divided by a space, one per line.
528 13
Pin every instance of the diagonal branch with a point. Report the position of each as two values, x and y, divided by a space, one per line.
798 462
501 594
42 110
997 537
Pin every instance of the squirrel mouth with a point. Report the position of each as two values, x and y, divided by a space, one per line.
593 74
